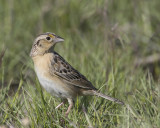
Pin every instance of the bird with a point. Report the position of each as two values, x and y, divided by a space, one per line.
57 76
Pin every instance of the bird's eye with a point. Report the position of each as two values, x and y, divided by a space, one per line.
48 38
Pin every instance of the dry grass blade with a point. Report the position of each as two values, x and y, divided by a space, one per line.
147 60
1 56
88 120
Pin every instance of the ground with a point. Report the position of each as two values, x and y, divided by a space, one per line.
115 44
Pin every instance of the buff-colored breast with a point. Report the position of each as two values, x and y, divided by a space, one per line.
51 83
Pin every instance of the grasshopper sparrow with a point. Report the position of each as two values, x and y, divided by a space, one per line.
56 75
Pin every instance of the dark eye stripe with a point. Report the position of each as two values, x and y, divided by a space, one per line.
38 42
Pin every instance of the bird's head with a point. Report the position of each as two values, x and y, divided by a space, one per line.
43 43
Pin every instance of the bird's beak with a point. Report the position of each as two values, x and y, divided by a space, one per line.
58 39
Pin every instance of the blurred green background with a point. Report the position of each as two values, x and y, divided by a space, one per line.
115 44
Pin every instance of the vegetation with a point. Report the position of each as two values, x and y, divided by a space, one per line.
115 44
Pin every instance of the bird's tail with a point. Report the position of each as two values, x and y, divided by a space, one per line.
107 97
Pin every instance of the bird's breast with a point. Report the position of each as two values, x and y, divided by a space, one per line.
52 84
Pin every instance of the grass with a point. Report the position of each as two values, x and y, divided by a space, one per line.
103 40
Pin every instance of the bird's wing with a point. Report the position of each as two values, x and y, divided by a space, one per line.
62 69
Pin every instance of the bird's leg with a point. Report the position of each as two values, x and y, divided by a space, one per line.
59 105
64 101
70 101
